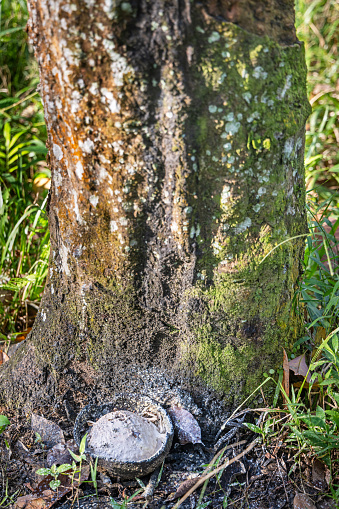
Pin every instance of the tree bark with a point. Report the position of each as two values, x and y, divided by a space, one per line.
176 143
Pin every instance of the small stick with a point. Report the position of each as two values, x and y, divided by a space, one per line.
151 485
211 474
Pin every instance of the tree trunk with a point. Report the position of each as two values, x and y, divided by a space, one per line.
176 143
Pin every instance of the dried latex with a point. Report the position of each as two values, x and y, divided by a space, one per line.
124 436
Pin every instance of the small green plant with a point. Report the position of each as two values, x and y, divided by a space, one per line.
78 458
4 422
125 502
54 471
71 470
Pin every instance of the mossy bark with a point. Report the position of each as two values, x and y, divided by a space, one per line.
176 144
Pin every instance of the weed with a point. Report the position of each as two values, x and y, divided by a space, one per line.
54 471
4 422
125 502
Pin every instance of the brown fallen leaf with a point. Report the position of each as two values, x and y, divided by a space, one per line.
3 357
286 378
185 425
183 488
302 501
31 502
59 454
299 367
22 336
319 475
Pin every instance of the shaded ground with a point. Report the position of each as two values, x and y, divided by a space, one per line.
268 477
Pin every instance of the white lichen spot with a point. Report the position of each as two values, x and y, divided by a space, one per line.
123 221
57 152
169 114
76 208
244 225
216 248
288 83
52 289
63 255
257 207
75 101
43 315
261 191
79 170
259 73
232 127
247 96
288 147
214 37
109 8
108 98
94 88
119 65
113 226
225 195
86 146
94 200
174 227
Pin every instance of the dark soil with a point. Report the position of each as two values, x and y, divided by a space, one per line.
268 477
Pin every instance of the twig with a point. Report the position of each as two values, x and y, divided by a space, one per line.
211 474
151 485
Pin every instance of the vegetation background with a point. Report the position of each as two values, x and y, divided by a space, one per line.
24 236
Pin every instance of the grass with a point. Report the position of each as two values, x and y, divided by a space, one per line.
24 236
317 24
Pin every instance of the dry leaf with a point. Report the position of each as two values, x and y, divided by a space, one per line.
185 425
286 378
59 454
22 336
50 432
184 488
319 475
299 367
41 183
302 501
3 357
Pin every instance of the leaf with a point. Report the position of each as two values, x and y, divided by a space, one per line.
82 445
22 336
60 455
50 432
286 378
64 468
184 488
55 484
253 428
75 456
185 425
3 357
4 422
299 367
319 475
43 471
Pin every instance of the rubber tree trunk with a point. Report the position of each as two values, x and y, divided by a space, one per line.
176 143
